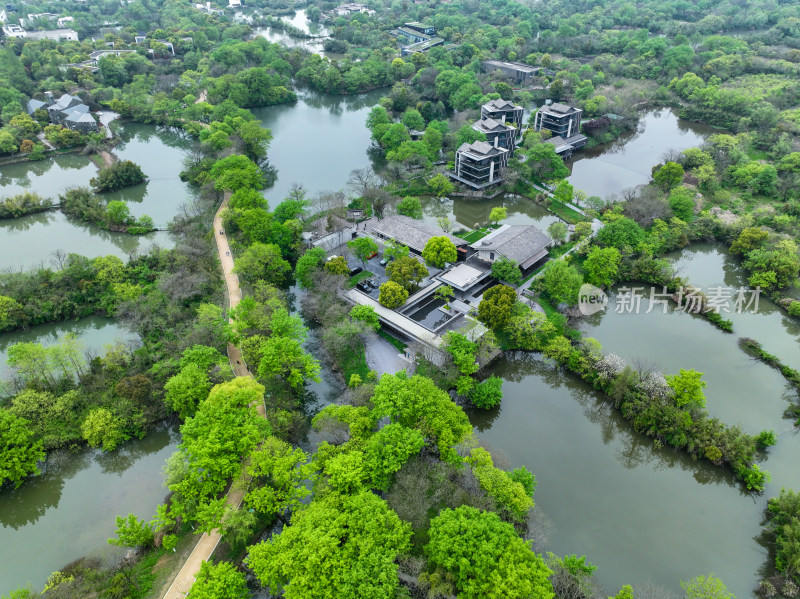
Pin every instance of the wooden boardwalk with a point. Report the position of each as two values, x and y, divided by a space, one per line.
205 547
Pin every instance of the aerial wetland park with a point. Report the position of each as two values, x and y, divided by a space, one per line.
400 299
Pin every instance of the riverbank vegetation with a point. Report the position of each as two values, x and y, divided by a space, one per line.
123 173
115 215
24 203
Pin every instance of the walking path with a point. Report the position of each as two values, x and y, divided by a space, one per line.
183 582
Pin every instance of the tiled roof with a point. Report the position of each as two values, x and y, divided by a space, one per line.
515 242
411 232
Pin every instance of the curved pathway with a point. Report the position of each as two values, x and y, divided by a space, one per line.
183 582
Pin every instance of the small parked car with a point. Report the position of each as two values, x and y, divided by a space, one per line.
372 255
362 286
355 271
385 261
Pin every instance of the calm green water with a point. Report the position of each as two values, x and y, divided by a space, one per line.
467 213
639 513
70 510
626 162
31 241
317 141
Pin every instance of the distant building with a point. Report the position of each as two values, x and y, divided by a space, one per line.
234 3
422 46
566 146
209 9
3 16
560 119
524 244
518 71
68 110
428 30
504 112
59 35
410 232
480 164
62 21
14 31
412 35
351 8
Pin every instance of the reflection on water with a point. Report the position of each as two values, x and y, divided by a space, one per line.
636 511
471 214
626 162
69 510
317 141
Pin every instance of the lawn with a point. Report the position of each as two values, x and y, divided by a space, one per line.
478 234
397 343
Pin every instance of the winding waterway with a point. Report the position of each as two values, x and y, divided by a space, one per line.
638 512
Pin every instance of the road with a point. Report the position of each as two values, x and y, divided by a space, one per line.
208 542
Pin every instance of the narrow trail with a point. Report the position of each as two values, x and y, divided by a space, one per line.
184 580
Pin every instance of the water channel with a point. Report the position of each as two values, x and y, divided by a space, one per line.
31 241
637 512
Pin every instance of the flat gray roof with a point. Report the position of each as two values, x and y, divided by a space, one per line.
462 276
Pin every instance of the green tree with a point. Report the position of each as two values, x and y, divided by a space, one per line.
118 212
236 172
103 429
484 557
561 282
545 164
387 451
337 266
416 402
406 272
602 266
278 474
444 293
506 270
11 313
120 174
366 314
622 233
441 185
439 250
132 532
411 207
186 390
749 239
495 307
263 262
557 231
564 192
688 388
497 214
285 359
412 119
339 546
668 176
488 393
307 265
363 248
219 581
393 250
706 587
19 452
681 200
392 295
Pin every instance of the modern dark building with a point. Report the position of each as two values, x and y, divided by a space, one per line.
68 110
480 164
504 111
517 71
497 133
559 119
428 30
564 122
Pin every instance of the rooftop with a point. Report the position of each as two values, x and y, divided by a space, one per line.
490 126
500 105
559 108
525 244
481 149
518 66
462 277
408 231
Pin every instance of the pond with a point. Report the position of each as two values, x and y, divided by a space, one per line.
31 241
637 512
70 510
317 141
609 168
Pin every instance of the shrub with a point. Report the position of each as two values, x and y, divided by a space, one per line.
118 175
392 295
487 394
